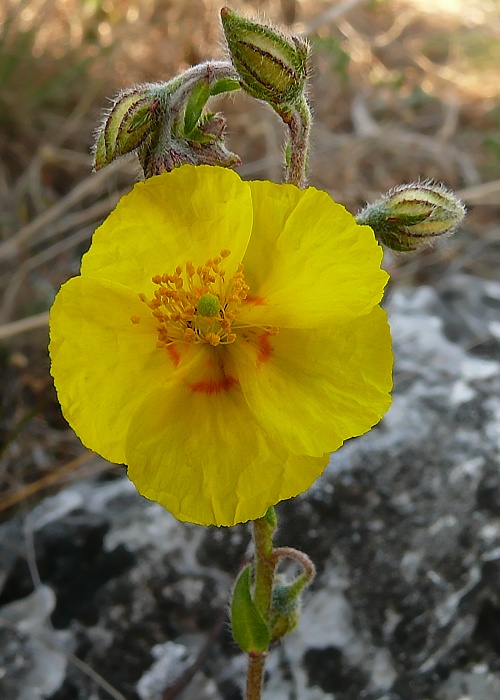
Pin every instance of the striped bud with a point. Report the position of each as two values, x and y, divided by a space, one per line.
271 66
134 116
409 216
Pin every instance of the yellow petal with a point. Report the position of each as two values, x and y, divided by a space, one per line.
198 450
190 214
308 260
314 389
218 434
102 363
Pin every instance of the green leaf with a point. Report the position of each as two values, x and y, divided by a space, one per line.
271 519
224 85
197 100
198 136
250 630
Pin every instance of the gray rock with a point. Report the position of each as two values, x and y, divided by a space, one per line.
33 657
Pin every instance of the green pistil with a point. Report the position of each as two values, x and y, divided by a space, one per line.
208 305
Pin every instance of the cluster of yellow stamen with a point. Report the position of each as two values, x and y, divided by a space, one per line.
197 305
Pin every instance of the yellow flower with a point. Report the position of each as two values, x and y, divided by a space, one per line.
222 339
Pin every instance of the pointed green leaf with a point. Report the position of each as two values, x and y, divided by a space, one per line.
250 631
199 136
224 85
197 100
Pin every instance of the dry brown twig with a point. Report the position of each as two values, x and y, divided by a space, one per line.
27 236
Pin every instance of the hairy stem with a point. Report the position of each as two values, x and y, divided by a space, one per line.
255 675
298 120
265 565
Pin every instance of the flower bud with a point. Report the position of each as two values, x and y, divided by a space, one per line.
409 216
134 116
285 610
271 66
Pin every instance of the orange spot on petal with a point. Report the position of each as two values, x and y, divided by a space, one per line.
265 349
255 300
174 355
214 386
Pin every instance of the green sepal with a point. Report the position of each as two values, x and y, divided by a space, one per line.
250 630
198 136
100 155
271 518
201 132
143 117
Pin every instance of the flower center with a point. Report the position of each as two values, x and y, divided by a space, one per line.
197 305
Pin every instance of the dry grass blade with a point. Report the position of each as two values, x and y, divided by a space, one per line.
24 325
487 193
71 471
27 235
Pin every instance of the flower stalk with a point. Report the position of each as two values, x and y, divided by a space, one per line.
265 615
298 121
265 561
255 674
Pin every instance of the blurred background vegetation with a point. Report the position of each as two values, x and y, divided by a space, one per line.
401 90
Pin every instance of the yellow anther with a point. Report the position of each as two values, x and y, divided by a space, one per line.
200 310
213 339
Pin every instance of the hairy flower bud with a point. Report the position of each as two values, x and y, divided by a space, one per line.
285 610
271 66
133 118
409 216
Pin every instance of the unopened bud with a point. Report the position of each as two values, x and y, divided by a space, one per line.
134 116
271 66
409 216
285 610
